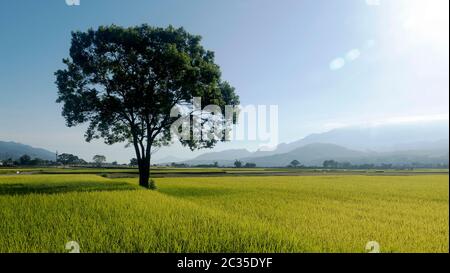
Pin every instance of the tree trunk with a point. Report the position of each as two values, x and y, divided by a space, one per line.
144 173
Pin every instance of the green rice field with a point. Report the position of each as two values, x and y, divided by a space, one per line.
307 213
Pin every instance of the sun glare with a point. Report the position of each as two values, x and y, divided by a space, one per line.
428 21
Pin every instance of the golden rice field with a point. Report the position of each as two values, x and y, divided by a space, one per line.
40 213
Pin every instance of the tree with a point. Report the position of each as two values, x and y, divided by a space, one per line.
99 159
25 160
8 162
237 164
330 164
67 159
295 163
133 162
250 165
124 82
37 161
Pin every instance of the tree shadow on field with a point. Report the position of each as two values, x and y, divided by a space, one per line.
54 188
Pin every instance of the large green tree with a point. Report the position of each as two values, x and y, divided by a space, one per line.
99 159
295 163
67 159
124 82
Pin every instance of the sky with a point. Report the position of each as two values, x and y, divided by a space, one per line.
325 64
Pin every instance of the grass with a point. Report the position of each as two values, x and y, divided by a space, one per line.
46 184
54 170
40 213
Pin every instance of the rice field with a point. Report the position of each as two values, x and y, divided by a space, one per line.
334 213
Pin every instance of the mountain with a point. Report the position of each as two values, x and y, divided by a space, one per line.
168 159
439 145
315 154
15 150
425 142
388 137
226 157
311 154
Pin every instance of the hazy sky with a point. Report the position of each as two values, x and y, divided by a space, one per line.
324 63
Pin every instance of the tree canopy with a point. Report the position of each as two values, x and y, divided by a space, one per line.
99 159
295 163
67 159
237 164
124 82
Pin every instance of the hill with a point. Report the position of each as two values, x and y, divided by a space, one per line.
424 142
15 150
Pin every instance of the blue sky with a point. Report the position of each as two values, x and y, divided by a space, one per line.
289 53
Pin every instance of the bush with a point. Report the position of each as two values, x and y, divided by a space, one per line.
152 185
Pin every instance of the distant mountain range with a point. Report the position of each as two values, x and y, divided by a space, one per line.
424 142
167 159
224 155
15 150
